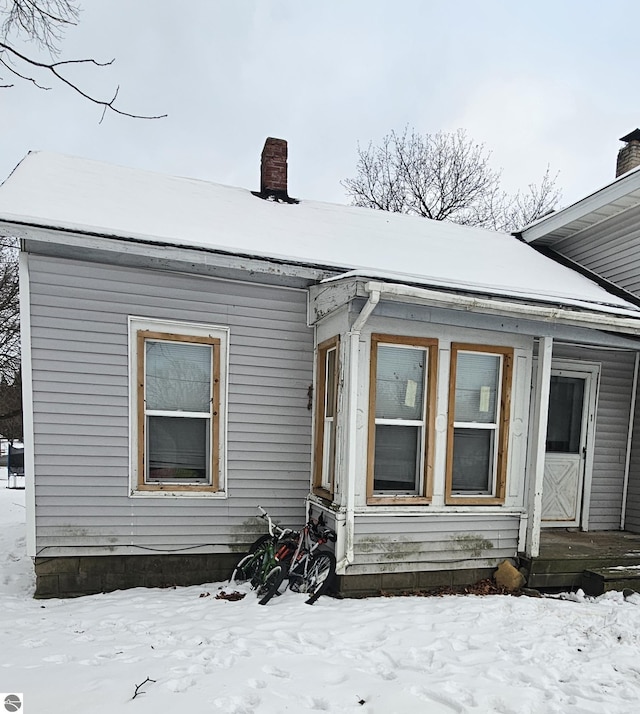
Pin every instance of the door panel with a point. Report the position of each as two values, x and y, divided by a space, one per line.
561 487
565 447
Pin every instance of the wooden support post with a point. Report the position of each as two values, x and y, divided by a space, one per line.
538 445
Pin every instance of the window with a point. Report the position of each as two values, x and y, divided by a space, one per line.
564 428
179 398
479 406
401 412
326 404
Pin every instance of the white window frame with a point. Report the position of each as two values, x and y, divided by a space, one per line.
217 482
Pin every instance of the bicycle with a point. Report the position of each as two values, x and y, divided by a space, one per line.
260 566
296 556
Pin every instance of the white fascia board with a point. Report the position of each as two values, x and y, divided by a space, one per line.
623 321
165 252
622 186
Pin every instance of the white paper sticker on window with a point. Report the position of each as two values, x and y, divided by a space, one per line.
485 396
410 393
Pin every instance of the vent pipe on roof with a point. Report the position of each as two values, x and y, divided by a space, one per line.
273 171
629 154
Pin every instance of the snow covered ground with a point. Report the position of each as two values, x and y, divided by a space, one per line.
384 655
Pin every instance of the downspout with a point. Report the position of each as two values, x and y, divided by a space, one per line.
627 461
353 338
27 400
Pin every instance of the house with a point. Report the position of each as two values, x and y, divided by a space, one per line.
443 394
599 236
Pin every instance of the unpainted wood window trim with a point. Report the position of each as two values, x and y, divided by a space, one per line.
503 422
431 347
214 437
323 350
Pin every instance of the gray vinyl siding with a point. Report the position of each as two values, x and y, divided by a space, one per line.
612 250
387 543
632 515
612 427
81 423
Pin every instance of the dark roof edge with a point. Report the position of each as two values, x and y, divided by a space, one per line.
598 279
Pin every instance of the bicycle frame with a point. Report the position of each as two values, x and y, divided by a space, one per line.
285 553
313 535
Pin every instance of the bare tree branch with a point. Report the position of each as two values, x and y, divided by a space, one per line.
138 690
10 378
44 22
443 176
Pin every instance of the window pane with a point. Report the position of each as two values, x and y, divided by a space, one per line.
178 376
473 460
177 449
564 428
330 383
477 378
399 383
328 448
397 458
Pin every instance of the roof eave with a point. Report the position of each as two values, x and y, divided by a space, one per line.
617 189
622 323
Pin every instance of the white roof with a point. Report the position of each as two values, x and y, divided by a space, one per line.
56 191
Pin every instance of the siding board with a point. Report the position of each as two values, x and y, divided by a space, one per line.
612 423
611 250
80 379
433 542
632 516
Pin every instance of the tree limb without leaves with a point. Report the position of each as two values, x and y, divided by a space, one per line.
43 22
444 176
10 381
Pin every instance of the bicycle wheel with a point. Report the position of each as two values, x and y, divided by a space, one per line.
258 542
249 567
271 585
320 574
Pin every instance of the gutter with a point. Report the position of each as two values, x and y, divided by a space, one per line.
556 315
353 338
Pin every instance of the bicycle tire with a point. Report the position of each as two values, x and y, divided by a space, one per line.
271 586
258 542
320 574
250 564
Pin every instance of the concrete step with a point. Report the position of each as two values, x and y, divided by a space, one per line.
600 580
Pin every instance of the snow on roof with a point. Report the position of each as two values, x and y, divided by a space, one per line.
81 195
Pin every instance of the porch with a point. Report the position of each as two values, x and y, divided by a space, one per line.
596 561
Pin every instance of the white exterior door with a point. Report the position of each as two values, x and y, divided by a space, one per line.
569 447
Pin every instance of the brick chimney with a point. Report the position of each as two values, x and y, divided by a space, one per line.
273 170
629 155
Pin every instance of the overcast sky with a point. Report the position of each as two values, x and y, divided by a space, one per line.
544 82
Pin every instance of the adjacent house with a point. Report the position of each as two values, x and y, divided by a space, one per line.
600 237
443 394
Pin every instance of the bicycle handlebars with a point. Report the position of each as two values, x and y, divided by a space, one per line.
274 528
318 528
